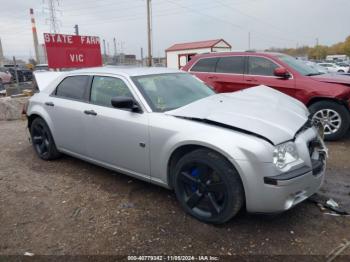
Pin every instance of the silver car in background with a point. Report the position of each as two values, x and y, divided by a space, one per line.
220 152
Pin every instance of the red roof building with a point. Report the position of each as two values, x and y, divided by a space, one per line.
179 54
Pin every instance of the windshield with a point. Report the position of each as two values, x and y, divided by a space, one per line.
299 66
165 92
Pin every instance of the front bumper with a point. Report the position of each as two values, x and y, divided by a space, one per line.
268 190
288 177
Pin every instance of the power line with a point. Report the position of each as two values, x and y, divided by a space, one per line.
222 20
253 17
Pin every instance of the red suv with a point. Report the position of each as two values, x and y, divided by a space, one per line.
326 96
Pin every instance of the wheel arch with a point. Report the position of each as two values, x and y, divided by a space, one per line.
37 111
31 118
184 149
328 99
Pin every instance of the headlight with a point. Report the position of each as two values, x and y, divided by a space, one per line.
285 154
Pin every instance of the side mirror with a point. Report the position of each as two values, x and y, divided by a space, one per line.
125 102
281 72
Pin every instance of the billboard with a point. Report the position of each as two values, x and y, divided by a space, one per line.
65 51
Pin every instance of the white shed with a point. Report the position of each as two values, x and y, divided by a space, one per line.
179 54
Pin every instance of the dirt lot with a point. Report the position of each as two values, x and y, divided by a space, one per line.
72 207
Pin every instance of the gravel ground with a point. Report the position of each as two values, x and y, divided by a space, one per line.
72 207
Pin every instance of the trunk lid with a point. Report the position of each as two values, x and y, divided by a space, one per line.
42 79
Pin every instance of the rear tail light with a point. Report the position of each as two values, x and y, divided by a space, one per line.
25 108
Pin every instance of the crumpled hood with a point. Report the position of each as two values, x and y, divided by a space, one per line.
260 110
333 78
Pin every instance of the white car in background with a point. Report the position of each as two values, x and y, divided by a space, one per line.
333 68
317 67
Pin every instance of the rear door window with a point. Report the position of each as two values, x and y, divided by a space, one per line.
73 87
231 64
261 66
205 65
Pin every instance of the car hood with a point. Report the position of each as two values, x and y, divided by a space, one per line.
332 78
260 110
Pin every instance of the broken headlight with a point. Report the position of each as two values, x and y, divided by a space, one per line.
285 154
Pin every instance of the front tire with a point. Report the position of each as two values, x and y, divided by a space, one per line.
208 187
334 117
43 142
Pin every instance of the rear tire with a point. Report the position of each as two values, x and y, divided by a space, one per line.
208 187
334 117
42 140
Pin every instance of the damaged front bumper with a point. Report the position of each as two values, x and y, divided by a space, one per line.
270 191
288 177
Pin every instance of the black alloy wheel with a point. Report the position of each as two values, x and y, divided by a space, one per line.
42 140
208 187
203 190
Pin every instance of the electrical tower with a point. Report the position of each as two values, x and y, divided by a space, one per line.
52 7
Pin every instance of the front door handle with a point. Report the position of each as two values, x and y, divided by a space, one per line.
90 112
212 77
49 104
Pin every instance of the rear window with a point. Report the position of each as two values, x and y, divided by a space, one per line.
73 87
230 64
205 65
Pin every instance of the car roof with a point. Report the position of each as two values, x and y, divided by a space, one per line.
242 53
126 70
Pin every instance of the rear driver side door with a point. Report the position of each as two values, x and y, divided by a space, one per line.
229 74
65 107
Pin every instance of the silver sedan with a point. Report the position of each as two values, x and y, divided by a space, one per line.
254 148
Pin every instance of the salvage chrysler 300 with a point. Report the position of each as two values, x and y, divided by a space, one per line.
254 148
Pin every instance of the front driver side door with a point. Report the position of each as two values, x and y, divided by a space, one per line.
116 137
260 71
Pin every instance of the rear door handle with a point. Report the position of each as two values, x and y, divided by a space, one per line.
49 104
212 77
90 112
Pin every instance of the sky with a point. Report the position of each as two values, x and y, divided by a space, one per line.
271 23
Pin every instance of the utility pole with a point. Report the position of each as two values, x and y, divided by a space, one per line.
104 50
16 73
141 56
76 29
149 33
248 40
35 36
1 54
115 46
317 54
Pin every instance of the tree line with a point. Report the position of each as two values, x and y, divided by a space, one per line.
317 52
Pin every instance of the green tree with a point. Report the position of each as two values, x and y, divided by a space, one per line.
346 46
